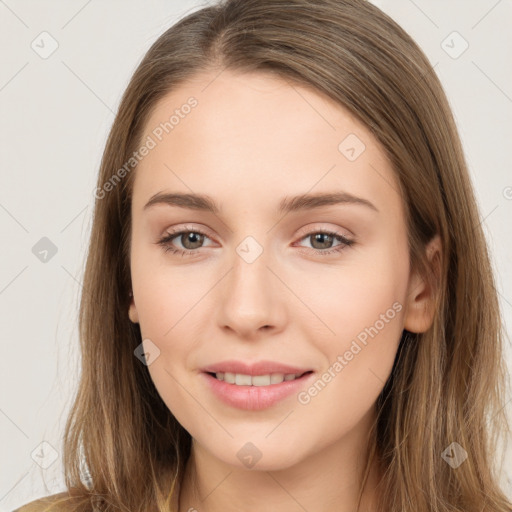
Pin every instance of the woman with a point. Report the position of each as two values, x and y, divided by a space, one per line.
228 366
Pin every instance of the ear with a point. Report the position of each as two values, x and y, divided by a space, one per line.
132 311
420 302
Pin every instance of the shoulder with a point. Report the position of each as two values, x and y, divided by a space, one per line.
48 503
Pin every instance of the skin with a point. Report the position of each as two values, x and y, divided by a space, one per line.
251 140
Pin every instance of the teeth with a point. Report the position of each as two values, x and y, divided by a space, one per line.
240 379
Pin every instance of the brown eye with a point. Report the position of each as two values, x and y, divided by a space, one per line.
321 240
191 240
185 242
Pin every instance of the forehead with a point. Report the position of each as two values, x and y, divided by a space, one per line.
259 135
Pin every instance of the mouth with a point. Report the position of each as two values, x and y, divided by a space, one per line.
269 379
255 392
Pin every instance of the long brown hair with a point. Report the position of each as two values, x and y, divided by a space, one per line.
447 384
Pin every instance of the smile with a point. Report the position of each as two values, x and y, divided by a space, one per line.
240 379
255 392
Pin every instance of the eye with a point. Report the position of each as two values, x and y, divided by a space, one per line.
192 240
322 241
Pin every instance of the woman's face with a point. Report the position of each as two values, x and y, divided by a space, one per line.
302 266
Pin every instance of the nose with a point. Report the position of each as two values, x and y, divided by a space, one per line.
251 301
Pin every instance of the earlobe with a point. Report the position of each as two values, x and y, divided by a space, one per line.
132 311
420 301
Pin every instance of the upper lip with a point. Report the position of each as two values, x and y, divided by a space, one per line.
256 368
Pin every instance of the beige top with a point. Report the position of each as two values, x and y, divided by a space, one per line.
42 504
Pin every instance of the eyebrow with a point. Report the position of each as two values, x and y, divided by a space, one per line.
290 204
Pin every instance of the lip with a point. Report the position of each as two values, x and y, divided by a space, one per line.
257 368
255 398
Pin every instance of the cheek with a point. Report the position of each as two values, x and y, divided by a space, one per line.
168 302
359 360
343 301
361 309
166 294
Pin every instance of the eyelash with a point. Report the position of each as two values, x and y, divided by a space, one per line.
165 242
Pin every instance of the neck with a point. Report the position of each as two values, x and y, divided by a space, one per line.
328 481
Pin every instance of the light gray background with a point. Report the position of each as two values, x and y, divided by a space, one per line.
55 116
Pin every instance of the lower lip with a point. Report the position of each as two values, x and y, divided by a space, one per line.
255 398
